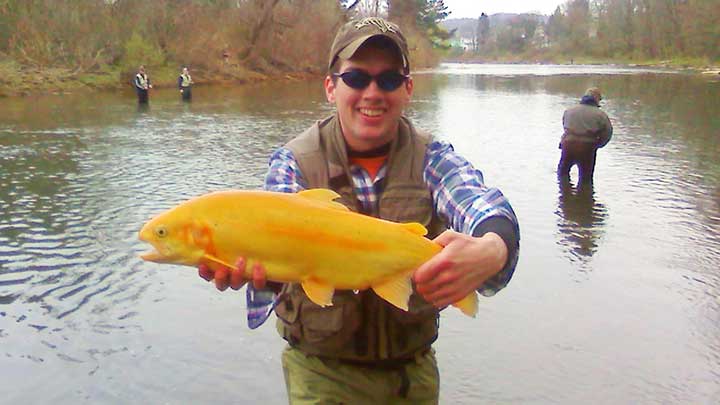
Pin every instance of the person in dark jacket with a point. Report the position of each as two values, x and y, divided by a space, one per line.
142 85
587 129
185 84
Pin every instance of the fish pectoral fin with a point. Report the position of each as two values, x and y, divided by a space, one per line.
324 195
396 291
415 227
214 259
318 292
468 305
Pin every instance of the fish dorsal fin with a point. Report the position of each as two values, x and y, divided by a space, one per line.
396 291
415 227
468 305
324 195
214 259
318 292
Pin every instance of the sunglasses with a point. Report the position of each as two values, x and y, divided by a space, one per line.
388 80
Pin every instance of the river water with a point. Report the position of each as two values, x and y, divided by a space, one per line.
616 298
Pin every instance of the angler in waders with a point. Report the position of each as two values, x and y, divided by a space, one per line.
142 85
185 84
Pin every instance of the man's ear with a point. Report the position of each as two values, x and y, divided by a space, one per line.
409 88
329 89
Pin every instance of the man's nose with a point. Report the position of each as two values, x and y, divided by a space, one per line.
373 90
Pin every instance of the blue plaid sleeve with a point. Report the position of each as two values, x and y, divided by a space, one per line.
283 176
462 198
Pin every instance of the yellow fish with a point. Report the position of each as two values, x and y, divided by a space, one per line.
304 238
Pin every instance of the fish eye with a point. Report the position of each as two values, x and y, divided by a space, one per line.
161 231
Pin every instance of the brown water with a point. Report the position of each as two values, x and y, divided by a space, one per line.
616 298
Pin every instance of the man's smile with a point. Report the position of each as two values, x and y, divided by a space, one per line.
372 112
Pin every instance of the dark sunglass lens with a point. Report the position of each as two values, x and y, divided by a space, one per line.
356 79
390 81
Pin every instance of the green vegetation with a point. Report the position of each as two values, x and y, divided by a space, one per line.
138 51
63 45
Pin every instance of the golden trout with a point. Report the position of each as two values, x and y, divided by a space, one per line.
304 238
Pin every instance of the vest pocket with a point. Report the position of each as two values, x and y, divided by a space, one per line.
324 329
407 203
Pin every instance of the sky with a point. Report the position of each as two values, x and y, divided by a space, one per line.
473 8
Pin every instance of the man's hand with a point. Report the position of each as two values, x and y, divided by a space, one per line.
234 278
463 265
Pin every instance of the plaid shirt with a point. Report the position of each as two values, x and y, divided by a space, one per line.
459 196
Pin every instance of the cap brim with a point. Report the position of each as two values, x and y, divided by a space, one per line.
353 46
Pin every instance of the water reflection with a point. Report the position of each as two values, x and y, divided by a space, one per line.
143 108
581 220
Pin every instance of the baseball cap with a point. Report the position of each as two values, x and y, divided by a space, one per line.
354 33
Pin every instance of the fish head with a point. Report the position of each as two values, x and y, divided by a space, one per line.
171 236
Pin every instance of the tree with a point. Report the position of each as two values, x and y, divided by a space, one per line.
482 32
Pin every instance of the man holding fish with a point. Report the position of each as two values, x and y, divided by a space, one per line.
360 348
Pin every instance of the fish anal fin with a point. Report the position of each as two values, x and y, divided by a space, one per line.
415 227
396 291
325 196
214 259
468 305
318 292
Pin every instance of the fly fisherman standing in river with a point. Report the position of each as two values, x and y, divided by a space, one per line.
142 85
586 129
362 349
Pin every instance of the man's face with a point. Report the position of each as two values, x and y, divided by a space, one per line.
369 117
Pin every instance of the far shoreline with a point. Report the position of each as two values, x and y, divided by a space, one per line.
54 81
695 67
30 81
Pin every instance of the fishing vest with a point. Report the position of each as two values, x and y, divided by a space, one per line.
360 326
186 80
141 80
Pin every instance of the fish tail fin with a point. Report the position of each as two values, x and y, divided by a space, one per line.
468 305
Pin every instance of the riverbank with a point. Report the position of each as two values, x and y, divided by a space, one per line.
18 81
700 65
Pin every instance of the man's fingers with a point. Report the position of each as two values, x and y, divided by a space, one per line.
205 272
233 277
237 275
237 279
445 296
258 276
430 269
222 278
445 238
441 280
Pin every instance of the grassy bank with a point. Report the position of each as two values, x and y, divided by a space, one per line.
18 80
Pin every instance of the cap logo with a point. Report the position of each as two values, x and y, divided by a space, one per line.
381 24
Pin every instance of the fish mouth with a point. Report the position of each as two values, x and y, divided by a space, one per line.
153 256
